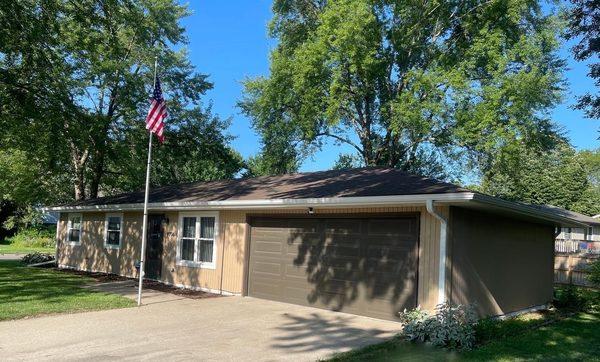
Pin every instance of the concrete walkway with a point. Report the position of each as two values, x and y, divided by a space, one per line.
175 328
11 256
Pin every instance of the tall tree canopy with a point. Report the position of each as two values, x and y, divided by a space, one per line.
584 25
562 177
412 85
75 81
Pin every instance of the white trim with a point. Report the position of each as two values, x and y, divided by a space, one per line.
120 216
56 238
364 201
197 264
524 209
523 311
69 216
442 247
285 203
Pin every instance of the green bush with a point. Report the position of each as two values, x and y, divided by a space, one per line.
33 238
452 326
572 298
594 273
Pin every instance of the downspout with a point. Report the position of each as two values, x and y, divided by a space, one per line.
56 241
442 247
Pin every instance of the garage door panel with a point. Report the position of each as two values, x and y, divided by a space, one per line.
266 267
391 227
364 266
341 226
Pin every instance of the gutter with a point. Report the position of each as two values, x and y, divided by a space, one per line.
361 201
418 199
442 247
526 210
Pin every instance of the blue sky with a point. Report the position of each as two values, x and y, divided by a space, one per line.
229 41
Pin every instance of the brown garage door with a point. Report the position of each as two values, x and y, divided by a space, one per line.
365 266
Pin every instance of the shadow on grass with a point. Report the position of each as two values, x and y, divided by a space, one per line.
18 282
574 338
26 291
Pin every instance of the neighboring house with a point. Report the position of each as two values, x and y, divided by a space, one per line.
50 218
579 239
370 241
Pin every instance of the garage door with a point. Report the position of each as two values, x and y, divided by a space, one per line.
365 266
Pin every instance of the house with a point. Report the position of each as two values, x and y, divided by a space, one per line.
369 241
584 240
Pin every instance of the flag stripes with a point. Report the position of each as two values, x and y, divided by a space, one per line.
157 113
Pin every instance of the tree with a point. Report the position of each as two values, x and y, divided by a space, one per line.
75 78
584 25
563 178
412 85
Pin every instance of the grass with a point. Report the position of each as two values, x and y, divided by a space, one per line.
574 338
29 241
16 249
27 292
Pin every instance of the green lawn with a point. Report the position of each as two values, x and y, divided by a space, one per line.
574 338
28 292
15 249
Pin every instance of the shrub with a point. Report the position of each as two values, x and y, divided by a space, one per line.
594 273
572 298
34 258
452 326
33 238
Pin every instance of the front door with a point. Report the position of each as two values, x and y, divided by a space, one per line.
154 247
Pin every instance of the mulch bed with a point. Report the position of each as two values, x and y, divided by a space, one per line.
148 284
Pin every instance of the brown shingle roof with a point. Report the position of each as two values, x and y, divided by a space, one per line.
323 184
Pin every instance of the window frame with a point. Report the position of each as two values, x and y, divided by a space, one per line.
568 233
106 222
197 239
69 228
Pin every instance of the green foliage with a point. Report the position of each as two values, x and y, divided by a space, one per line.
573 339
452 326
33 238
571 298
472 81
264 164
594 274
347 161
75 78
561 178
584 26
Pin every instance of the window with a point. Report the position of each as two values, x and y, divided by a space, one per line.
197 235
74 229
113 231
567 233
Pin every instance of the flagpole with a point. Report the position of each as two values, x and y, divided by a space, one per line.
145 222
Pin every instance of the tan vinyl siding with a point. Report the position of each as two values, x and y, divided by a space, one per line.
90 254
231 243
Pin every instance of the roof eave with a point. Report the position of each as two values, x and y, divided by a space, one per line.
332 202
527 210
277 203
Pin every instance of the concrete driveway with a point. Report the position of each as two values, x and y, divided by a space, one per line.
176 328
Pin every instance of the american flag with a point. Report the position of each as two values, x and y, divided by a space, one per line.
157 113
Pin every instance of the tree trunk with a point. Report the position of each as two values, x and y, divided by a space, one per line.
97 173
79 160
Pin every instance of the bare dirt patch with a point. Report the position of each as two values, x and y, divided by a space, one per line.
148 284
